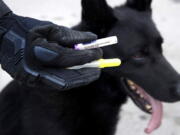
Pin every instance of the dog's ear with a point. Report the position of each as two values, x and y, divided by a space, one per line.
97 16
140 5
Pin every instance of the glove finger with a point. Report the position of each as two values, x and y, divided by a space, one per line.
43 31
64 79
69 38
52 54
87 76
64 36
74 57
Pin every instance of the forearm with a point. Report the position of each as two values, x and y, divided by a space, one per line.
7 19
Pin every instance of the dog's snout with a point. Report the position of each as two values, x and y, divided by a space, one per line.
177 90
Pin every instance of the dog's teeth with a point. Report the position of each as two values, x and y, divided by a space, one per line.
141 96
133 87
148 107
130 82
138 92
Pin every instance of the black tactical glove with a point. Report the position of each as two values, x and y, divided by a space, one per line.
52 46
35 53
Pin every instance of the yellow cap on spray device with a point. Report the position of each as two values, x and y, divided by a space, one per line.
102 63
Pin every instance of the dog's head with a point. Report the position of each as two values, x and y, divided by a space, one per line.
139 47
146 73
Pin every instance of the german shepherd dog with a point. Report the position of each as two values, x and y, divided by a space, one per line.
145 76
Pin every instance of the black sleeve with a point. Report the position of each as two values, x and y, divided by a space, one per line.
4 9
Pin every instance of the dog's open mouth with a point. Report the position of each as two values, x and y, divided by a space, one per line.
146 103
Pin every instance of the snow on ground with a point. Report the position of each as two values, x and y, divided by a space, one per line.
166 15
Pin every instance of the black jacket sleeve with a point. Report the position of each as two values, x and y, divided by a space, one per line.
4 9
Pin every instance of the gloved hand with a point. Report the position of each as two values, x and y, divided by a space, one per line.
38 53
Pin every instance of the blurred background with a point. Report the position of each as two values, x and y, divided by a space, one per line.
167 17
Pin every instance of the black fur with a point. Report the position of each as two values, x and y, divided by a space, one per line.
87 110
93 109
141 5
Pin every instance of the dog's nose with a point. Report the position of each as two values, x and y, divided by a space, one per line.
178 90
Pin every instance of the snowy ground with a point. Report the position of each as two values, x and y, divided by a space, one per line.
166 15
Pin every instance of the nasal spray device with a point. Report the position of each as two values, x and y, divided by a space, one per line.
97 43
102 63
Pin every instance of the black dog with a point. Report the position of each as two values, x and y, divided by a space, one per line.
93 109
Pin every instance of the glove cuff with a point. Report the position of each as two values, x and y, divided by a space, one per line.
4 9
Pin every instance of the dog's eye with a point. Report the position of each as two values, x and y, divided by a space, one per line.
141 54
138 56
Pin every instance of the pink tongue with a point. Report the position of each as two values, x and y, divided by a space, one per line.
157 112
